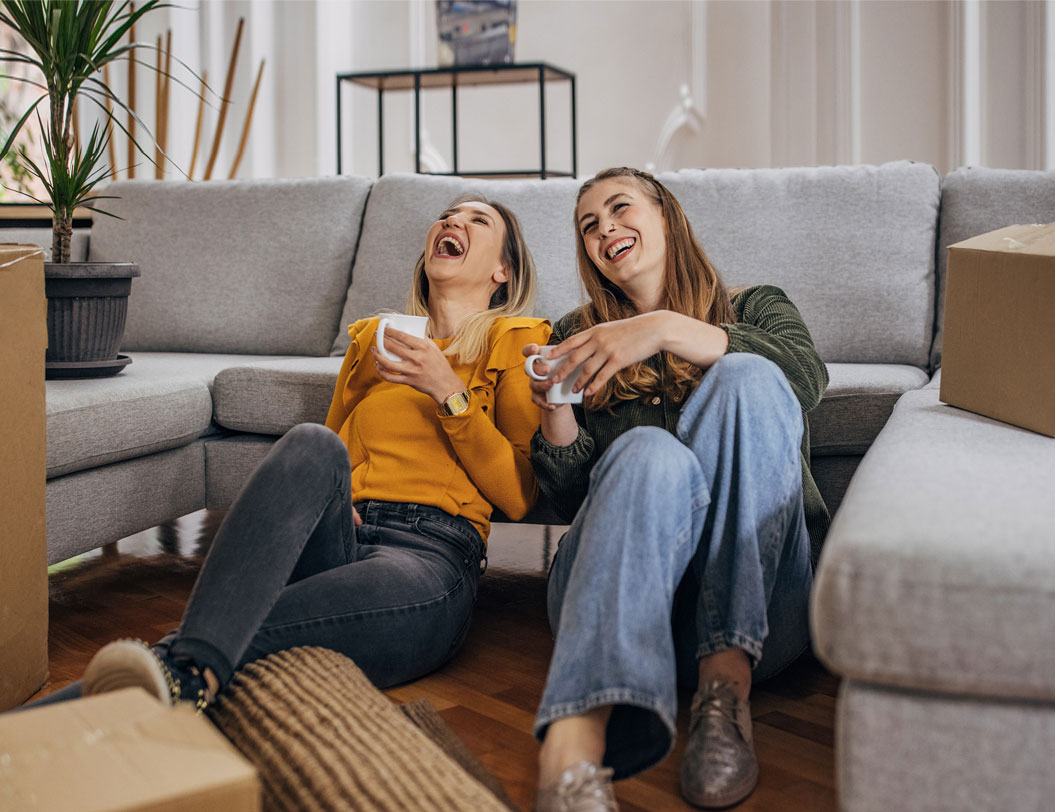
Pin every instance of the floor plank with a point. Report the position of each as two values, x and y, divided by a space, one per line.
487 695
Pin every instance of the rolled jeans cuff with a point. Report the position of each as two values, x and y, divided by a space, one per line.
631 745
723 641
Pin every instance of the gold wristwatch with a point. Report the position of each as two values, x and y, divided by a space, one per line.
456 403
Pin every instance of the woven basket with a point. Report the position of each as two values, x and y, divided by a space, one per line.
324 738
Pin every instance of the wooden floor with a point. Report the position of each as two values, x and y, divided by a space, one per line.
488 694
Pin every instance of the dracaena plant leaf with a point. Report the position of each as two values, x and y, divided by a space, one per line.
70 41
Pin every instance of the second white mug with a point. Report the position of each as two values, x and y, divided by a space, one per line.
562 392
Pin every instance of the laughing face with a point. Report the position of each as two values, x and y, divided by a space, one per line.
624 234
464 247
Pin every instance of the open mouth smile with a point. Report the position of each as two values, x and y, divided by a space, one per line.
450 246
618 250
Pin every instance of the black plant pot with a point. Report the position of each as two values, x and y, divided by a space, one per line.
87 306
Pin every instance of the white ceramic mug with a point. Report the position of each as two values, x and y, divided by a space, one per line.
562 392
414 325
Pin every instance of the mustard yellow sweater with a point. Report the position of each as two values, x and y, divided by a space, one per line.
403 450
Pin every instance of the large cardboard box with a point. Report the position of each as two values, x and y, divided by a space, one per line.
120 752
23 553
998 357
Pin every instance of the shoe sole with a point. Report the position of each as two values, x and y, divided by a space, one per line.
126 664
730 798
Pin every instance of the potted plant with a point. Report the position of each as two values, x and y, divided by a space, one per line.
70 41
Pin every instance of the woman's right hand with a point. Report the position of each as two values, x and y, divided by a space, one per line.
559 426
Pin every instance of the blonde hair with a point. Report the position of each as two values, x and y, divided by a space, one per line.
514 297
691 286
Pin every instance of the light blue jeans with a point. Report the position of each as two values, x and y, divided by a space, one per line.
685 546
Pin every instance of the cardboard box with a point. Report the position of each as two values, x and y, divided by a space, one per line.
120 752
998 356
23 547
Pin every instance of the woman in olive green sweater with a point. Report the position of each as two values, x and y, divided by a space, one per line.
684 476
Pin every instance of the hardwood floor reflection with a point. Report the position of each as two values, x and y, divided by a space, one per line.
487 694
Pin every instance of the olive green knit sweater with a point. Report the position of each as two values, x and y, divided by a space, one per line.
767 324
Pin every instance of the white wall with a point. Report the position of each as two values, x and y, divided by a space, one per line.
675 82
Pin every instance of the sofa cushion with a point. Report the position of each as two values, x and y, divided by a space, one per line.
975 200
856 405
400 211
937 572
159 401
256 266
201 366
273 396
852 246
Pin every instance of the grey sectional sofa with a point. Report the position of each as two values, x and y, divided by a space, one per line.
237 325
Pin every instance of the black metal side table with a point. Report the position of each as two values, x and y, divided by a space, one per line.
454 78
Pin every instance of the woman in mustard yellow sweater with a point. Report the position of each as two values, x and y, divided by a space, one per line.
367 535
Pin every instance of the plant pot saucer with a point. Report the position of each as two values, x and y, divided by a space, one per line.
85 369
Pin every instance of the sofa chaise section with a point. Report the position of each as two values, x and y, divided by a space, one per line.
934 598
232 273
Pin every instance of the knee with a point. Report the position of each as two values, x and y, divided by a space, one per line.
753 378
313 445
651 455
313 435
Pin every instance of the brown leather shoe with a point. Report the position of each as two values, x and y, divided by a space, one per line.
583 787
719 768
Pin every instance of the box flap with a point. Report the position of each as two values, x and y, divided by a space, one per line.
1038 240
12 253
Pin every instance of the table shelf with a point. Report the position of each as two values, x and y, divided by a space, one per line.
454 78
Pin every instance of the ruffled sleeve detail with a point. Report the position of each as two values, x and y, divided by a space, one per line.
507 339
362 333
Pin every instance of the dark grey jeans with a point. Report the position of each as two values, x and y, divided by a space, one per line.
289 568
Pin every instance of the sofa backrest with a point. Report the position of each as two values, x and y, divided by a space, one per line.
852 246
976 200
257 266
400 211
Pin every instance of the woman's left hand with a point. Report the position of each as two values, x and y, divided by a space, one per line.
424 366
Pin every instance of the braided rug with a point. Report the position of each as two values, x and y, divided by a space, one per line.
324 738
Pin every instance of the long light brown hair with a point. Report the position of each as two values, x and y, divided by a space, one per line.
513 298
691 286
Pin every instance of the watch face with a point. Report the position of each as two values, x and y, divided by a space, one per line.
457 403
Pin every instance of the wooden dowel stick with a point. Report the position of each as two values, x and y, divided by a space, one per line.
225 102
166 83
76 124
132 98
248 121
110 149
158 172
197 127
